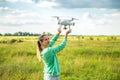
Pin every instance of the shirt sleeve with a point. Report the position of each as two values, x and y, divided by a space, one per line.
53 40
59 47
50 51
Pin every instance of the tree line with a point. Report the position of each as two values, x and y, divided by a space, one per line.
23 34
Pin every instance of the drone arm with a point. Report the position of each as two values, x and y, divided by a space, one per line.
70 20
58 18
58 22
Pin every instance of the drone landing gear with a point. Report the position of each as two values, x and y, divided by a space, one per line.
69 27
65 28
73 24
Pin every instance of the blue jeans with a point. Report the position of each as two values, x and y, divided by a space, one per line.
47 77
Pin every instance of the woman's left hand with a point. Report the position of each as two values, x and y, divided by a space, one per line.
59 30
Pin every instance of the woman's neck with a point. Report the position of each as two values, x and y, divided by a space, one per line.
43 47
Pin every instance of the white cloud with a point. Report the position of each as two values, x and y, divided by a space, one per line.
4 9
12 0
92 21
21 17
48 4
27 1
86 15
109 19
102 21
17 11
88 20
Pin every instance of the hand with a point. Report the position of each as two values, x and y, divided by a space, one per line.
69 31
59 30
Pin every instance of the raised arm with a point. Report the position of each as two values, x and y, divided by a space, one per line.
54 39
54 50
63 44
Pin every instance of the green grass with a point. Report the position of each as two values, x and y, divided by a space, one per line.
88 58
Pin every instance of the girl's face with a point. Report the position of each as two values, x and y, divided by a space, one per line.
45 41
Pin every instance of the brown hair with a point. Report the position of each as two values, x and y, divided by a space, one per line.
39 49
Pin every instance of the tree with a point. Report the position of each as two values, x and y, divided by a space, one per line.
0 34
25 34
49 34
17 34
7 34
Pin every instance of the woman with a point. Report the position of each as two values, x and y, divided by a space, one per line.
49 54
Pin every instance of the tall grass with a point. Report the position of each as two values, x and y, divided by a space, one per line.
84 58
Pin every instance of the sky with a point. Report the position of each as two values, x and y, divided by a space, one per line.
96 17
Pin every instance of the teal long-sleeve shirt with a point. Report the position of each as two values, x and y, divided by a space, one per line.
49 56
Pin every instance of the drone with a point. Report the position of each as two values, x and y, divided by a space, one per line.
65 22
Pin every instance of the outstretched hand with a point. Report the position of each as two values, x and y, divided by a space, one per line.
59 30
69 31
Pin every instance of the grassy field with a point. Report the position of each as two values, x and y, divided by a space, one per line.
84 58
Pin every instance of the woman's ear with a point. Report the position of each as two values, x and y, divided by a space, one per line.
40 42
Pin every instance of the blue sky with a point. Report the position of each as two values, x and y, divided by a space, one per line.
96 17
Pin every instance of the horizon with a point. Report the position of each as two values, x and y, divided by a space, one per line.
12 34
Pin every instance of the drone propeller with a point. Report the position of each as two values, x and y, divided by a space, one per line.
56 17
74 19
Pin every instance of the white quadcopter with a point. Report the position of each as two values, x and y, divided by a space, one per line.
65 22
